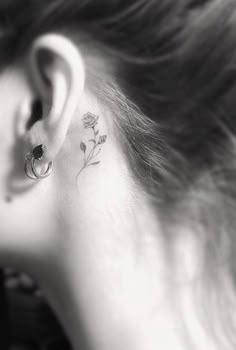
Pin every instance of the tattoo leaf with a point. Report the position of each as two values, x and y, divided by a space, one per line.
93 141
102 139
95 163
83 146
96 132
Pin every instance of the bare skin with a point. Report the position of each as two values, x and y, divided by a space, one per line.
87 233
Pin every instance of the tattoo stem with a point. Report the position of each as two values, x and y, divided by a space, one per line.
90 156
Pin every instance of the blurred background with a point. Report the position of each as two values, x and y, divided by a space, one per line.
27 322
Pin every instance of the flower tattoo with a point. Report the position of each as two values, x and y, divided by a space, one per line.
90 121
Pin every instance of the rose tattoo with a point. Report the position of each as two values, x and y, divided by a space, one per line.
90 121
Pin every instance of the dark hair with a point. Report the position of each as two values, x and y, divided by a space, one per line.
173 96
174 63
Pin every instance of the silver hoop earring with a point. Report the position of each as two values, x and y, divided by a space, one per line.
31 160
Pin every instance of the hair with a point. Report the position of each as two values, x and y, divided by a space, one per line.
173 99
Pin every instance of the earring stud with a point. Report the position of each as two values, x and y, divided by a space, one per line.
32 161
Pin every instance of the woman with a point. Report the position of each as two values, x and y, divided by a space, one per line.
117 177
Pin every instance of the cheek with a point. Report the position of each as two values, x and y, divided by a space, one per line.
12 92
8 103
28 228
26 219
6 146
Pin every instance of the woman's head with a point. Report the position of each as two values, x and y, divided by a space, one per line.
168 65
132 99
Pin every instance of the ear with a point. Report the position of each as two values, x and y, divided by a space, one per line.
57 75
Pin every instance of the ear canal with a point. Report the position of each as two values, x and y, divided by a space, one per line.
36 113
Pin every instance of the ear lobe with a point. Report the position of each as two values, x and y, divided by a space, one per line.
57 74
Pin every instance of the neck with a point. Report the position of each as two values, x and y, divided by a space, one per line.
113 290
109 283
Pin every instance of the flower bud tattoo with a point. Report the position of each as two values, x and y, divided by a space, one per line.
92 149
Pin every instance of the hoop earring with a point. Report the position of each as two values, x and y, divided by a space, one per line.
30 164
